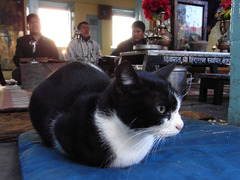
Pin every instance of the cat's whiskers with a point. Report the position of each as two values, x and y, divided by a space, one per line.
183 92
179 136
147 155
140 146
158 139
154 147
132 122
136 134
161 144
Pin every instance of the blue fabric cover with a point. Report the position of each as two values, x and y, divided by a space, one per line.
201 151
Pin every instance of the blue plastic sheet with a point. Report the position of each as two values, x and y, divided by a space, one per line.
201 151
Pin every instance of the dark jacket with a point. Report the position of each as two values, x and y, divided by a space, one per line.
126 46
45 48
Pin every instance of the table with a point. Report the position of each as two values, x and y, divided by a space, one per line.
33 74
153 59
14 115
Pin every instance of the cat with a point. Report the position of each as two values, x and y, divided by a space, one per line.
104 122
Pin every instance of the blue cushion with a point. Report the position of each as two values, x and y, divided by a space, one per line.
201 151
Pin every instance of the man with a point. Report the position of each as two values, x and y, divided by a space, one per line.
45 47
83 48
138 30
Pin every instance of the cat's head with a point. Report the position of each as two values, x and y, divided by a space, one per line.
148 101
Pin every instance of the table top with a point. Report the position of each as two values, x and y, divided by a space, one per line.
176 53
13 98
180 57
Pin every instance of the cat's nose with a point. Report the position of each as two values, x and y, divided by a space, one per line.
179 127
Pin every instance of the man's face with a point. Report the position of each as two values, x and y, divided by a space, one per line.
34 26
137 34
85 30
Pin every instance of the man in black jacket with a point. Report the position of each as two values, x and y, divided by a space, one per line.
138 30
44 47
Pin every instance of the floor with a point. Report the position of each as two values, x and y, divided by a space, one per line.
218 113
9 163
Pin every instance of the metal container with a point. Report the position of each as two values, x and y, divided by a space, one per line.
178 79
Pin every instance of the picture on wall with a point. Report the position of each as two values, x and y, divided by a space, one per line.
105 12
189 22
12 26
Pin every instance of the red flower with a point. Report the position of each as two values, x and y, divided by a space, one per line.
151 6
224 10
226 4
148 14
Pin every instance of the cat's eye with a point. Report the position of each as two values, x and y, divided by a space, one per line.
161 109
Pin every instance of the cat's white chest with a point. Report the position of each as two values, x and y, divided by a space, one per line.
131 149
129 146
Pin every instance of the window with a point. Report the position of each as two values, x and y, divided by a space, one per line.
122 20
121 28
56 25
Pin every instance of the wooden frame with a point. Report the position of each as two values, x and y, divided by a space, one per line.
105 12
189 21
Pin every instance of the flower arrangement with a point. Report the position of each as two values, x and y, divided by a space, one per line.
151 9
224 10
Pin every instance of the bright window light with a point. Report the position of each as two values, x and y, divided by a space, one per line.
121 28
56 25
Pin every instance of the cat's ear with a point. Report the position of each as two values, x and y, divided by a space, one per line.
126 76
166 70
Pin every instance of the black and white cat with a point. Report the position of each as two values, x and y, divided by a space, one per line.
102 122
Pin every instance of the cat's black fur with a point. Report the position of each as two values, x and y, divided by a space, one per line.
102 122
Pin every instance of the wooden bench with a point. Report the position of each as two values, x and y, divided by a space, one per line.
213 81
